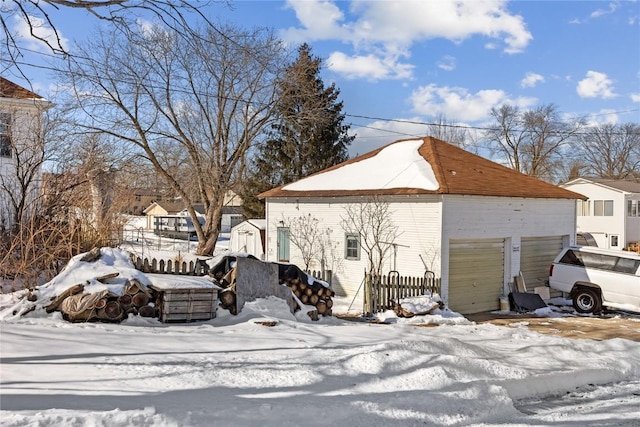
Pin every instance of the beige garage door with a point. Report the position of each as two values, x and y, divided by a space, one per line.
476 275
536 255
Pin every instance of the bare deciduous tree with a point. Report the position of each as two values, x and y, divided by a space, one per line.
449 132
611 151
371 221
305 235
42 20
208 98
532 141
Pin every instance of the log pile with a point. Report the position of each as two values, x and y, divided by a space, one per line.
105 305
315 294
306 290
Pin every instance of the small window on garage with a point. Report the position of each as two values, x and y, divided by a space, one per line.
352 246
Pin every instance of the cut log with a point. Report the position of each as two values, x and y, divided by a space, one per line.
112 311
140 299
305 299
32 297
76 289
313 299
313 314
125 299
147 311
91 256
329 302
227 298
321 307
101 303
103 279
308 291
134 286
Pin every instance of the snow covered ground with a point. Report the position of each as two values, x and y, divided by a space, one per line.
235 371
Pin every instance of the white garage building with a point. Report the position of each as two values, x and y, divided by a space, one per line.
473 222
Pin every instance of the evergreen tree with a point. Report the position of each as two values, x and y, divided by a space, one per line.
308 135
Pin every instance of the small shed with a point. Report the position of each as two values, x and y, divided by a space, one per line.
248 237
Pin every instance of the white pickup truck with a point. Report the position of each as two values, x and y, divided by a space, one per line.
595 278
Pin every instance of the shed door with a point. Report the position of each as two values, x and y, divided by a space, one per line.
536 255
476 275
283 244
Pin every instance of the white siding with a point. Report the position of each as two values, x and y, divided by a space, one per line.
602 227
421 232
417 219
245 237
25 129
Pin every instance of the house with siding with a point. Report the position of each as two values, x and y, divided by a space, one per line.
21 147
611 212
474 223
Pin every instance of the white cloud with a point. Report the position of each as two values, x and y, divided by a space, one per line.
601 12
596 85
447 63
604 116
635 97
388 29
459 104
41 31
531 80
321 20
368 67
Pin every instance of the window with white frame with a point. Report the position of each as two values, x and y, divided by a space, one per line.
584 208
614 241
603 207
352 246
633 208
5 135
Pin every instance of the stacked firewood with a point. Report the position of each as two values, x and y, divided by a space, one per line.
105 305
312 294
227 296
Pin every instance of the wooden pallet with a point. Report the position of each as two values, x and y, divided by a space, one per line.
187 304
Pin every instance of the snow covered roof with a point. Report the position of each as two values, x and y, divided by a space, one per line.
420 166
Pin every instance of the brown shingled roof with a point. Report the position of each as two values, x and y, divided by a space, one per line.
457 171
8 89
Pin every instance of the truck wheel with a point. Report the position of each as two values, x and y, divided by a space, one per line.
586 300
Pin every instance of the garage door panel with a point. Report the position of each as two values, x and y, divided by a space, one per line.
536 255
476 275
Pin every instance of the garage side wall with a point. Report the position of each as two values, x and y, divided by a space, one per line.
418 219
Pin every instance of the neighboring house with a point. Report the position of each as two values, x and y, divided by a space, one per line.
231 216
140 199
474 223
248 237
21 148
231 211
611 214
161 208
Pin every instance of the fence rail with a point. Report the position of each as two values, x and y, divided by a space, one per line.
380 291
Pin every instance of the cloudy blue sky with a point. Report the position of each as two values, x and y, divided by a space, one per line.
397 62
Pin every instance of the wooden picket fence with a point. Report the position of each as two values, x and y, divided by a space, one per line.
325 275
380 291
169 266
198 268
